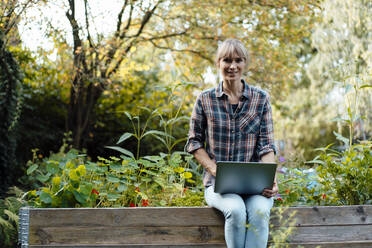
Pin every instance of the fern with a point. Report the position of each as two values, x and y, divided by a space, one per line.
9 219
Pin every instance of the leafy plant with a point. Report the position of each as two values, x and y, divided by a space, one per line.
139 132
71 180
9 208
346 177
285 226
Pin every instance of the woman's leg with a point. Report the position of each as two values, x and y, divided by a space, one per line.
233 208
258 211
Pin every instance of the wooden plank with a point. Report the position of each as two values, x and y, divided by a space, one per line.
117 227
350 244
201 245
327 215
113 217
303 234
126 235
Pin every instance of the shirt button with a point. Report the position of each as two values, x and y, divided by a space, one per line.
233 131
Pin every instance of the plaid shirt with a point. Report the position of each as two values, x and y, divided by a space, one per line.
242 136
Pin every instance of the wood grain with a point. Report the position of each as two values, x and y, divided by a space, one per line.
331 226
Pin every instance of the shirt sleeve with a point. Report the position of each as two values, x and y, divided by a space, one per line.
265 142
198 123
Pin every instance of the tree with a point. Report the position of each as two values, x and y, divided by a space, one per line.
10 88
343 60
190 32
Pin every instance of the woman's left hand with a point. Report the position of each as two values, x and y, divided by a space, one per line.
271 192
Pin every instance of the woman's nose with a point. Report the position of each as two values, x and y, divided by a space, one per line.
233 65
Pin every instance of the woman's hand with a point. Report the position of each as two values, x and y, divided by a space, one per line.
271 192
203 158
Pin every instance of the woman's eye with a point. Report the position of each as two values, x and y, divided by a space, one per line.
227 60
238 60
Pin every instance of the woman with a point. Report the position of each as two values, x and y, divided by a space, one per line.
234 122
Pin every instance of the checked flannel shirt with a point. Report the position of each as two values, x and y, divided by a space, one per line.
244 135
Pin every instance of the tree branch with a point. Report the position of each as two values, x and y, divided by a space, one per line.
87 24
126 28
120 16
146 18
183 50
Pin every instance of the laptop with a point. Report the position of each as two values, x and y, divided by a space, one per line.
244 177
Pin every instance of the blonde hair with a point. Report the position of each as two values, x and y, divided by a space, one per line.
230 47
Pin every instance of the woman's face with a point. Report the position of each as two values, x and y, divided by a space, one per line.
232 67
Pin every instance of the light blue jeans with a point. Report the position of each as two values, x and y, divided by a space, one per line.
236 208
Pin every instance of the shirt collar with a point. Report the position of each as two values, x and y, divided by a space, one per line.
220 93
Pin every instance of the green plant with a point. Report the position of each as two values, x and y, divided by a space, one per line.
281 227
346 177
11 100
9 208
71 180
299 187
170 116
139 132
191 197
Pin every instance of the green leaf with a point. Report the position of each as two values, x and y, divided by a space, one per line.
153 158
341 138
160 139
113 196
128 115
81 198
178 141
315 161
365 86
116 167
86 189
122 150
146 180
122 187
124 137
113 179
52 168
32 169
157 132
45 197
42 178
175 120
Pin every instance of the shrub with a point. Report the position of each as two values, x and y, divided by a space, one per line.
346 177
71 180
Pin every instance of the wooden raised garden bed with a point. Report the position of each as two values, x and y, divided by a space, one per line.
328 226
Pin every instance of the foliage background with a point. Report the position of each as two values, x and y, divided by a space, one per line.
131 70
84 79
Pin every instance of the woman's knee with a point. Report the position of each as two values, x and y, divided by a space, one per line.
236 212
258 208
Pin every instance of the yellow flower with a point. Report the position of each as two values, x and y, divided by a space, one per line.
179 169
70 165
187 175
81 169
33 192
73 176
56 181
46 190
